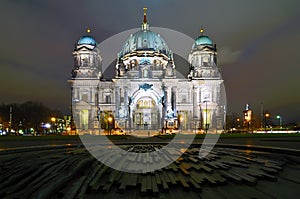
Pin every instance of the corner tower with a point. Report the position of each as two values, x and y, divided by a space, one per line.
203 59
87 59
208 87
86 74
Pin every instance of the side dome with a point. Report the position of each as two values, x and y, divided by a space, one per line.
87 40
203 40
145 40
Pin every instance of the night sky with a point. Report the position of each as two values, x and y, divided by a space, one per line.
258 45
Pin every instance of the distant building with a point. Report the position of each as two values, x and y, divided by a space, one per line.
247 117
145 92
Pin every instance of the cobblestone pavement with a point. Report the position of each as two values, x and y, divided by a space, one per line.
71 172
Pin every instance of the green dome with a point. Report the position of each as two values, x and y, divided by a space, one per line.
203 40
87 40
145 40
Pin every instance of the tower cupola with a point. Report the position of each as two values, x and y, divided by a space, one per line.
87 59
203 58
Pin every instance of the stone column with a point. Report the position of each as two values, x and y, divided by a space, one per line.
196 101
126 100
169 94
77 93
163 107
218 92
174 93
167 102
126 107
117 100
92 95
160 116
215 95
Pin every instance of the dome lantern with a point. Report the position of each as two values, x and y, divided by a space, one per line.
145 25
87 39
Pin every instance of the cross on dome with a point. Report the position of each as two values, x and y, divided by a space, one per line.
201 31
145 14
88 30
145 25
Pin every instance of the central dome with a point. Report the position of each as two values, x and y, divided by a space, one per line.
145 40
144 50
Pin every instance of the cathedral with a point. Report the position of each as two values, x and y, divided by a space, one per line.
146 93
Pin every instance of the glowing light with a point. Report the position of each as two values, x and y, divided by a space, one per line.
110 119
181 118
88 30
47 125
267 115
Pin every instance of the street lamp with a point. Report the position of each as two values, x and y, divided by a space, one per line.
110 119
238 123
53 119
181 120
266 116
206 113
280 120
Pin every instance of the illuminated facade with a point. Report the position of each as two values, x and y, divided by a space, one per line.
147 92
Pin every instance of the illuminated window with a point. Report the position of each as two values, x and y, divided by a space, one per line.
146 103
145 73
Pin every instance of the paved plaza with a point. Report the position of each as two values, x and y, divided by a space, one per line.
67 170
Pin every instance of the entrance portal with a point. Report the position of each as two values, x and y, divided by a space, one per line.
146 114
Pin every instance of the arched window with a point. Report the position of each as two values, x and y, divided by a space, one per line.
145 73
107 99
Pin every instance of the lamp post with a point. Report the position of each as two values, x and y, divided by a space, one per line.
181 120
110 119
53 119
206 113
267 115
280 120
238 123
200 120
